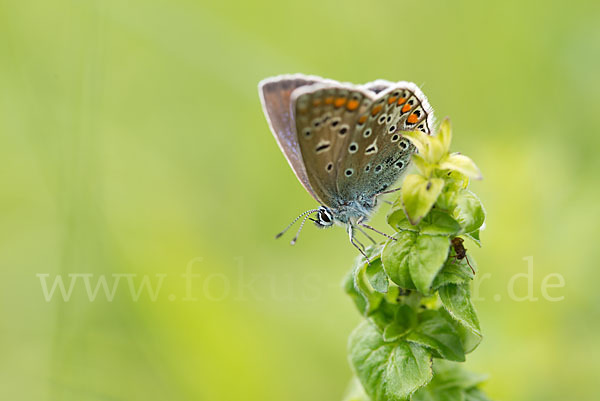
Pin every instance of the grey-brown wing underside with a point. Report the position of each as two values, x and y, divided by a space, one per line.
325 114
275 95
376 153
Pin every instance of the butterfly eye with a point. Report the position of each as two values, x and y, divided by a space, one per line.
392 129
343 129
353 148
335 122
395 137
367 168
349 172
378 168
329 166
400 164
403 144
367 133
307 133
324 217
389 119
381 119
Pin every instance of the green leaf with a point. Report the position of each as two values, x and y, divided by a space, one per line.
355 391
413 260
359 300
437 394
384 314
469 211
457 301
444 134
421 164
404 319
475 394
419 139
450 382
377 277
462 164
395 257
439 223
469 339
435 332
426 259
418 195
436 222
398 220
455 272
388 371
474 236
452 374
358 286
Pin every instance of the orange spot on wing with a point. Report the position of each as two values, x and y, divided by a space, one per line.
401 100
340 101
329 100
412 119
392 100
352 105
316 102
406 108
376 110
362 119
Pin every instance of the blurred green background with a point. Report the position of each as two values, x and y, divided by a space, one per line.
133 142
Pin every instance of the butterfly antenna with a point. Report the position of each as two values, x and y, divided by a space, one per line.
293 241
294 221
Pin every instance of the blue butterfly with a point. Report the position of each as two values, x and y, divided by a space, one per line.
344 142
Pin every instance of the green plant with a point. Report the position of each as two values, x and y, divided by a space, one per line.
415 293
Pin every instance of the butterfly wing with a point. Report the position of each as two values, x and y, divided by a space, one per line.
378 85
376 154
325 114
275 95
343 141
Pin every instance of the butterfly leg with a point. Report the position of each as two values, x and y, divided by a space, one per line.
389 191
366 235
385 193
354 242
360 223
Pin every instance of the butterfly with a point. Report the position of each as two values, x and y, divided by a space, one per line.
344 142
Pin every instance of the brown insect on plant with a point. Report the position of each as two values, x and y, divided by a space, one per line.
460 251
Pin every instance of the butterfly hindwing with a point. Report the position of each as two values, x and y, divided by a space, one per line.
325 116
377 154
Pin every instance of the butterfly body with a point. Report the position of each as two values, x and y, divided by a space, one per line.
343 141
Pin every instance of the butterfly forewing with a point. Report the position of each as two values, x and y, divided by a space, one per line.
275 94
